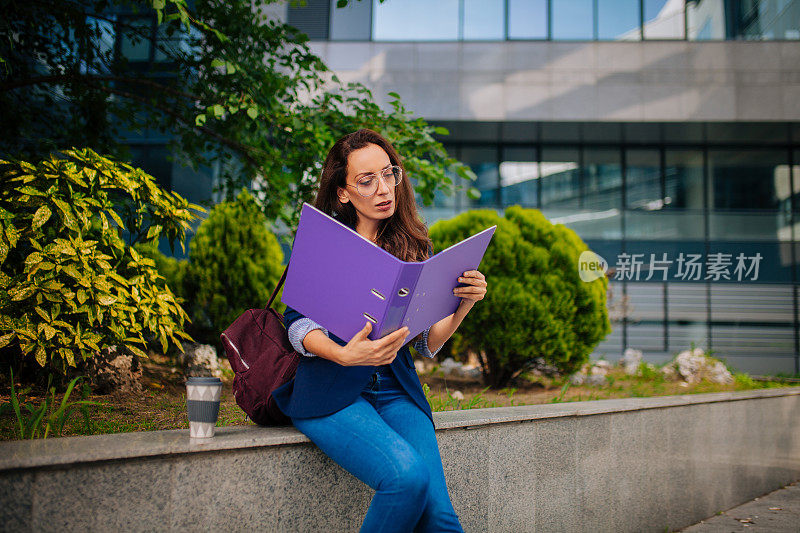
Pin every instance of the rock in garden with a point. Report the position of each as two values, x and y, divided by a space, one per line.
694 366
471 373
450 366
600 367
114 370
541 368
200 360
596 380
577 378
630 361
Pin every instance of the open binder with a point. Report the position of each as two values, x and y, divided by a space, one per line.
341 280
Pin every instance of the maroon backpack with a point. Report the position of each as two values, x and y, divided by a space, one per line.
262 358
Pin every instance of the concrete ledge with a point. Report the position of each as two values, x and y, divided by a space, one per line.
74 450
635 464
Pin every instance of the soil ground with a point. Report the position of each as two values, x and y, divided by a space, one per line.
162 404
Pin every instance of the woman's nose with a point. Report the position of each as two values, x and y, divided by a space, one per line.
382 185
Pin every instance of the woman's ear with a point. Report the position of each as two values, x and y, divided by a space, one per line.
341 194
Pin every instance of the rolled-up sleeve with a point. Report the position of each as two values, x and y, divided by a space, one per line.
422 345
298 331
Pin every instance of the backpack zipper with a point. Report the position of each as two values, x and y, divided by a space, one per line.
246 366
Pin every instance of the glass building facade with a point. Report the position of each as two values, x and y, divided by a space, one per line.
696 221
555 20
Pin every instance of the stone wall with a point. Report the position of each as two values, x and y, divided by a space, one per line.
639 464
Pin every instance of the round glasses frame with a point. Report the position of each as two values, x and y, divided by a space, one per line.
395 171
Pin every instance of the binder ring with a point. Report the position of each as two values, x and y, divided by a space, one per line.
403 292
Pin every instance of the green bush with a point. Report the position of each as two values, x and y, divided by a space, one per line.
235 261
536 304
174 270
70 283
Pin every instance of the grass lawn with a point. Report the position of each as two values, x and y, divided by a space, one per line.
163 403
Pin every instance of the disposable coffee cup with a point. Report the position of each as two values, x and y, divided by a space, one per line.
202 403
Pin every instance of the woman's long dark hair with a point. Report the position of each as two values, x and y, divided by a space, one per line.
403 234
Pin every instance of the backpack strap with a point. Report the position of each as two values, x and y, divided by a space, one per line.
278 286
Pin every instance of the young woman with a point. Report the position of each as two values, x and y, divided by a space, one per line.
361 401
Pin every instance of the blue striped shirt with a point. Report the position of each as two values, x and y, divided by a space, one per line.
301 327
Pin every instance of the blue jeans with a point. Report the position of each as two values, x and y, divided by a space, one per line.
384 439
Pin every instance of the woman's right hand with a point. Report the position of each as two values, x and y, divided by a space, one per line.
363 351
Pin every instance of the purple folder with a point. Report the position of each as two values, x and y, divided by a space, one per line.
341 280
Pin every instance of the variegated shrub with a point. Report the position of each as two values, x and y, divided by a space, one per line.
70 284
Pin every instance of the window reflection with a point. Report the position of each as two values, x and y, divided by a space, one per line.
753 20
602 177
483 162
450 20
744 193
573 19
663 19
643 189
618 20
768 19
796 179
519 177
683 177
560 175
135 41
527 19
415 20
746 179
484 19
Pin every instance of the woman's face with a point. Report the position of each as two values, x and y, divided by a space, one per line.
370 159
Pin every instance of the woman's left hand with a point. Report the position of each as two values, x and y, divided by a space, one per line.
476 288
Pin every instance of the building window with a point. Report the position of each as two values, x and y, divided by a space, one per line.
519 177
663 19
584 20
135 41
484 20
572 20
619 20
416 20
527 19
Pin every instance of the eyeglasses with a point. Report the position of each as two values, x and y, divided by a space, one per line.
367 184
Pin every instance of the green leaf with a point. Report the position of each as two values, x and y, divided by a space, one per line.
441 130
216 63
33 258
5 339
49 332
154 231
230 68
106 299
218 110
42 215
394 95
41 355
200 119
252 112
